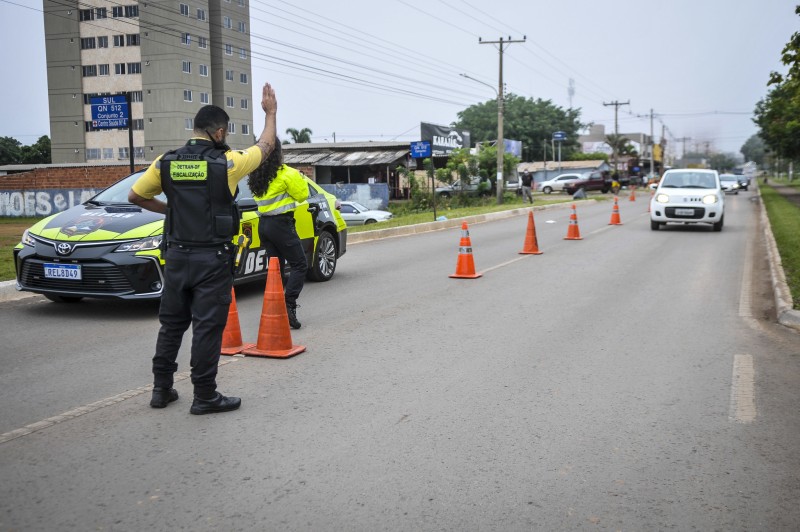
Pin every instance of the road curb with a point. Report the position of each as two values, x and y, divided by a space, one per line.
784 304
9 292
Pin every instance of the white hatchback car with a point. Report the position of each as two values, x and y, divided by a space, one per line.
688 196
356 214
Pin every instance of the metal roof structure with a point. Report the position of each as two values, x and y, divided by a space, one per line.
345 153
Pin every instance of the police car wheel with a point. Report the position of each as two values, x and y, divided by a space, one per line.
63 299
324 263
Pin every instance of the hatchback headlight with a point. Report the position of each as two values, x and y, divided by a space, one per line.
27 239
711 199
145 244
662 198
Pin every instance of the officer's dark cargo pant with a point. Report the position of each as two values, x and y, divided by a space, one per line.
279 237
197 292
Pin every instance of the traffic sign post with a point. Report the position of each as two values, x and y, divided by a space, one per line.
113 112
420 149
559 136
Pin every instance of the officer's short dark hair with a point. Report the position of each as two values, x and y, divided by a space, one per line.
211 117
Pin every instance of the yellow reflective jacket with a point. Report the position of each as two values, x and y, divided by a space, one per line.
285 191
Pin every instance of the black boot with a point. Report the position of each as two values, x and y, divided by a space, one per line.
291 311
163 396
219 403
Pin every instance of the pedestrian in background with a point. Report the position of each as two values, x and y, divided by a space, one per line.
527 181
277 190
200 182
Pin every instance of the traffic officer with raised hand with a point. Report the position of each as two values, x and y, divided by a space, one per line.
200 181
278 189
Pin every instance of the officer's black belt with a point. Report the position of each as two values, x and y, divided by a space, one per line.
287 213
206 246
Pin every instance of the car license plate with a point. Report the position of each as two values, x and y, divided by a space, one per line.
63 271
684 212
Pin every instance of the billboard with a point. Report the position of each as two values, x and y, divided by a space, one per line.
444 139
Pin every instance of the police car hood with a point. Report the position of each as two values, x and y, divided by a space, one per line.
98 222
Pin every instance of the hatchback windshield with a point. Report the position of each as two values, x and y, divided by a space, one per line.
689 180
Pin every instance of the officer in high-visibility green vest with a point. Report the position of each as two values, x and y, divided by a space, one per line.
278 189
199 180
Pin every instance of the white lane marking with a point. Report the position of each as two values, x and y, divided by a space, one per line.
86 409
743 397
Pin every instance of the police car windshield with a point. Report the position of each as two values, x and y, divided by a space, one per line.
117 194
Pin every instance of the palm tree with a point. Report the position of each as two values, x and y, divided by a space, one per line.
301 136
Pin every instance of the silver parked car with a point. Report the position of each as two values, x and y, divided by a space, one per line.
356 214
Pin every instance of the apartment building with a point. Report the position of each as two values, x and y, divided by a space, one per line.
170 57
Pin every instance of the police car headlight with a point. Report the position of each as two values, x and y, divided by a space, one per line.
27 239
145 244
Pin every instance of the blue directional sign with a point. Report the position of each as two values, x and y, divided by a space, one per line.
559 136
110 112
420 149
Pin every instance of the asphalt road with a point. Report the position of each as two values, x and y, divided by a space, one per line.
632 380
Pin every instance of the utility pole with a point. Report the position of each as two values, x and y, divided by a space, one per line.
652 147
616 105
501 148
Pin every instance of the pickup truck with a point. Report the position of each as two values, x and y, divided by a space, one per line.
594 181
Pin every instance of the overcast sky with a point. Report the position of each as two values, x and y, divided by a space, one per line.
373 70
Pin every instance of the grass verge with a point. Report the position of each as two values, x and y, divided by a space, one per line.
784 217
11 230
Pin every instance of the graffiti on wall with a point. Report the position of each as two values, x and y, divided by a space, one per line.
37 203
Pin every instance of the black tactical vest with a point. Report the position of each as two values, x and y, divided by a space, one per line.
201 211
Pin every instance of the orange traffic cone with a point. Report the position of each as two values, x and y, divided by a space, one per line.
465 267
531 246
632 197
615 214
274 337
573 232
232 335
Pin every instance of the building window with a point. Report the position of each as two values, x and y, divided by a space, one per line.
243 77
187 95
242 53
228 49
232 128
101 12
136 96
226 22
244 103
119 68
245 129
132 11
229 101
102 42
92 153
87 43
186 39
104 70
204 70
188 123
202 42
229 75
134 68
138 152
87 14
116 12
241 3
242 27
119 40
123 152
187 67
184 10
204 98
132 39
89 71
137 124
108 153
201 14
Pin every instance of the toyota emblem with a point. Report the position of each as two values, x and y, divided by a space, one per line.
63 248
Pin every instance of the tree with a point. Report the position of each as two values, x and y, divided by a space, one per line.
38 153
754 150
524 119
299 136
723 162
778 114
10 151
621 144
